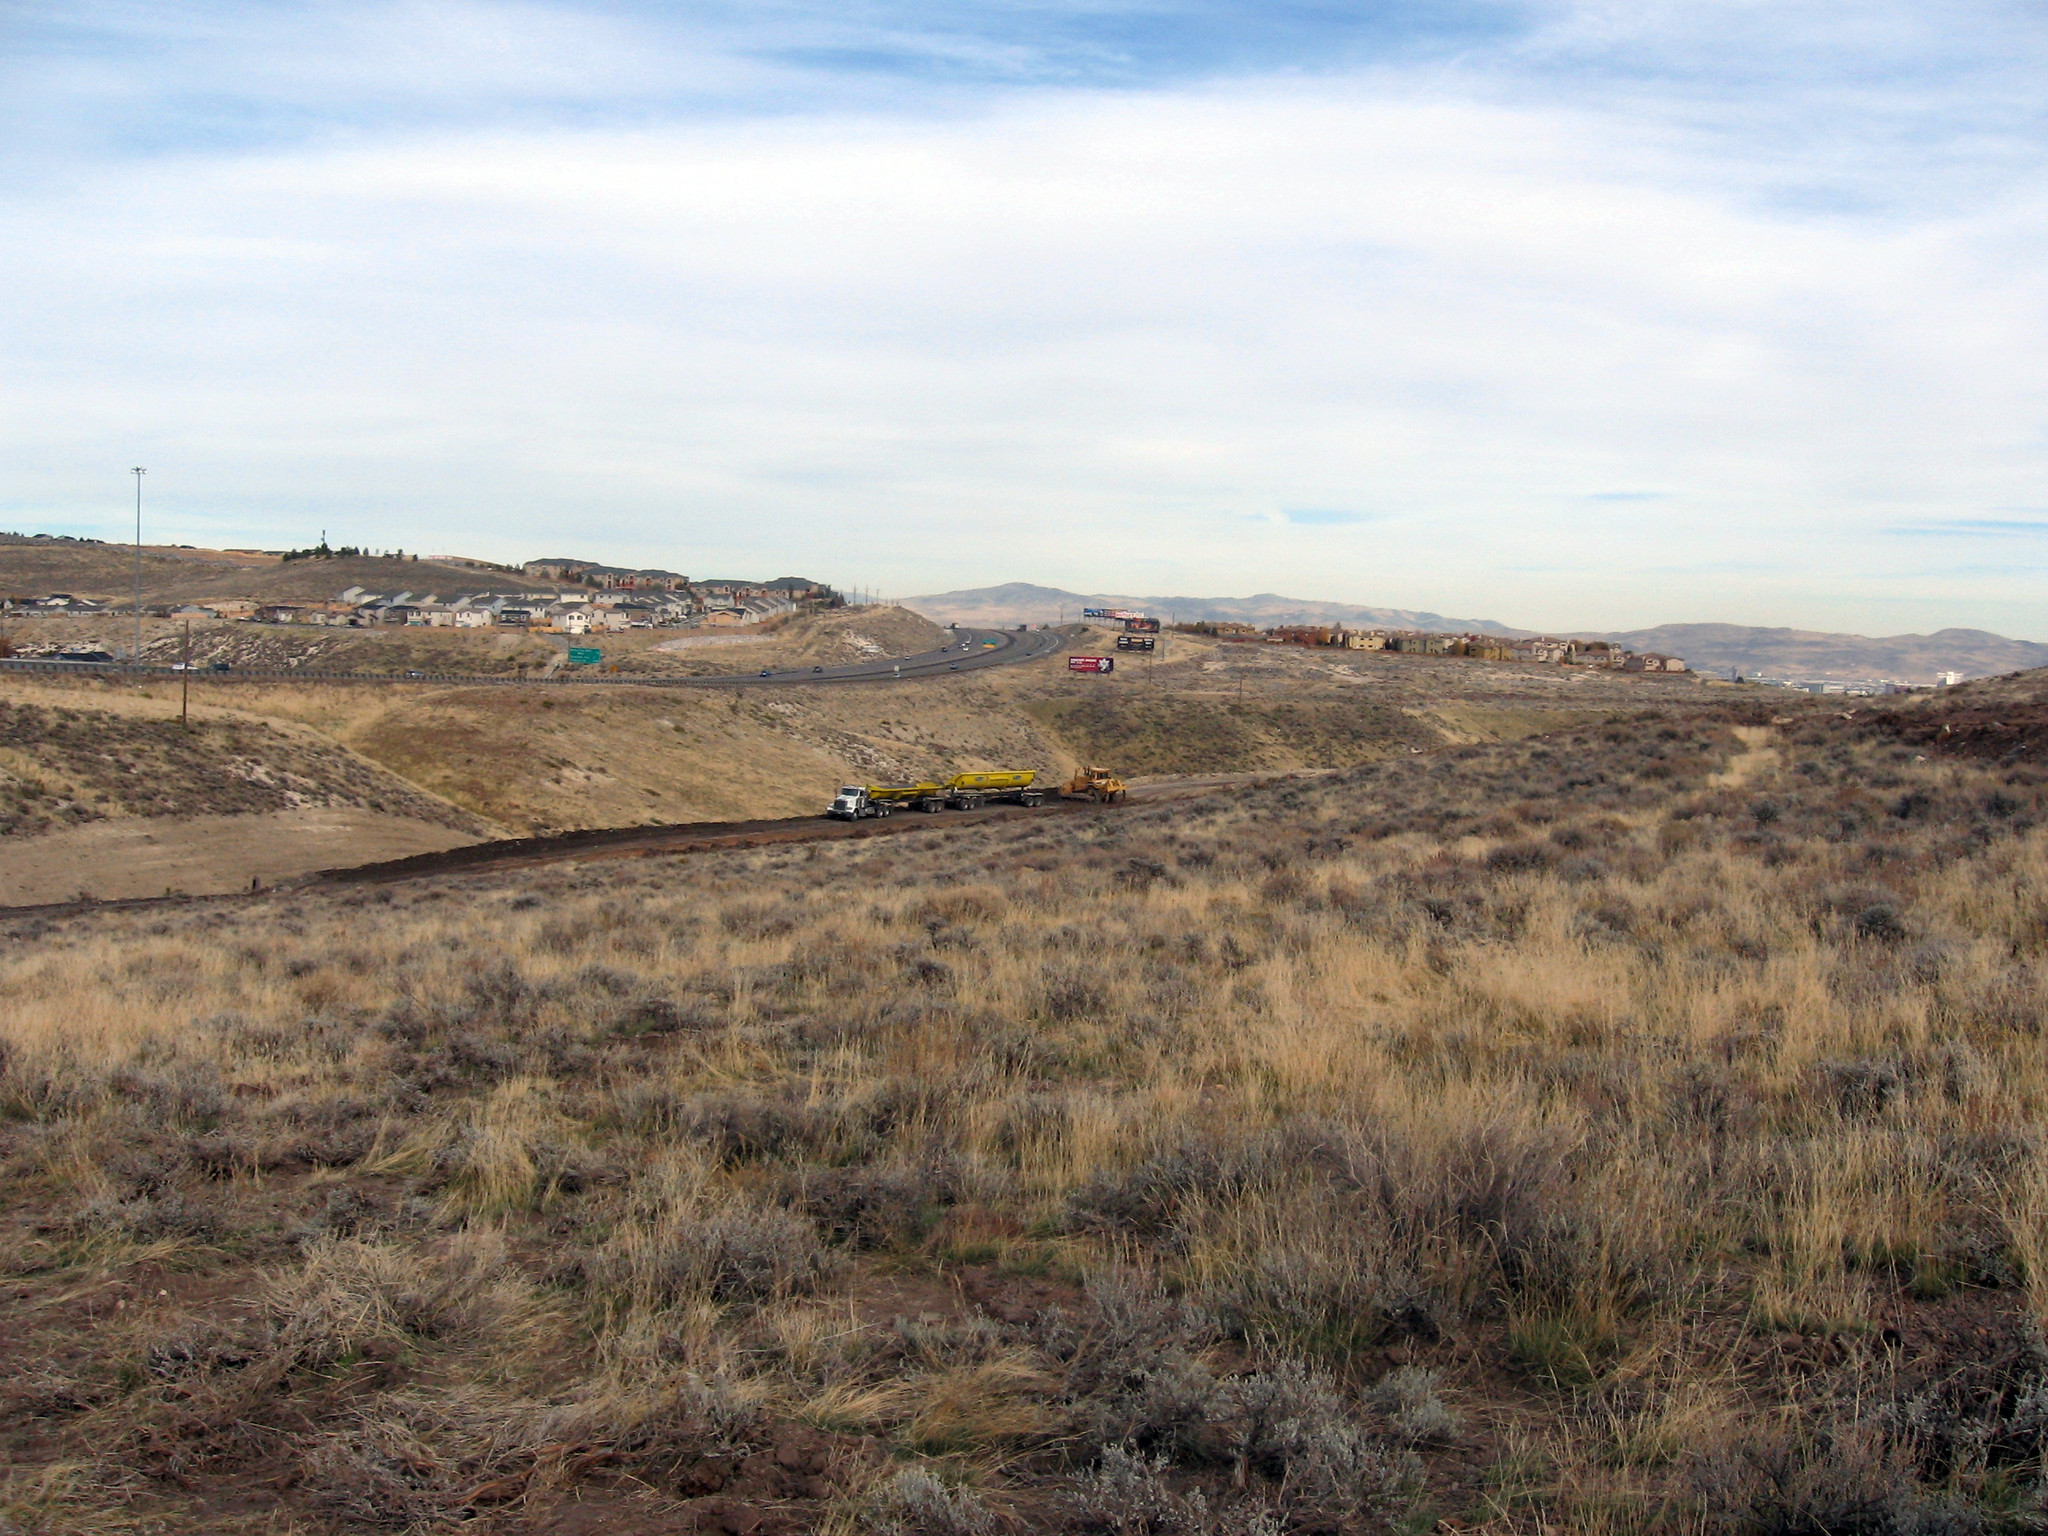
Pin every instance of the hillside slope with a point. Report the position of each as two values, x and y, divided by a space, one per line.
107 572
566 758
63 764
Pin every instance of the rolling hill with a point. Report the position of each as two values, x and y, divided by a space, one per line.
1810 653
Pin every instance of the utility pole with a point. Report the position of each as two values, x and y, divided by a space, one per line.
185 682
138 472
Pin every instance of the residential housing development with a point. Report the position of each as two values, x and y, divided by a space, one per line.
1540 648
561 596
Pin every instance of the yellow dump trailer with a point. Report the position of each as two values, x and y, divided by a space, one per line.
991 783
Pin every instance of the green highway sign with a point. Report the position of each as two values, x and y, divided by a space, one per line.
585 655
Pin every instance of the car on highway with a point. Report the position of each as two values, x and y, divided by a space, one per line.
817 669
767 672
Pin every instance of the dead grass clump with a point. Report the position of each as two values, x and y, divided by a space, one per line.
732 1255
151 1218
870 1208
351 1294
1149 1200
735 1129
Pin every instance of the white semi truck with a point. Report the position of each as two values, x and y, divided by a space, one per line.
962 792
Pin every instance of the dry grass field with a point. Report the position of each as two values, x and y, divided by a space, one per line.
1635 1127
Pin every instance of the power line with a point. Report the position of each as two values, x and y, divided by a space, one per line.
138 472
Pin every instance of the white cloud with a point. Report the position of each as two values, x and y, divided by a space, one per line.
1062 338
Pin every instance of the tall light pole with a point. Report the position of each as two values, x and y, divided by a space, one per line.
138 472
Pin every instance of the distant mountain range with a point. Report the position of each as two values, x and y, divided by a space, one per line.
1019 602
1705 647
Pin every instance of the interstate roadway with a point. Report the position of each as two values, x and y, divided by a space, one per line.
965 650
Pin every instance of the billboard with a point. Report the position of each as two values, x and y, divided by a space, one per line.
1135 642
1138 624
1091 663
1111 613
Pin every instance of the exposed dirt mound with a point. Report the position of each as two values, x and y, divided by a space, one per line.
865 634
812 639
2001 731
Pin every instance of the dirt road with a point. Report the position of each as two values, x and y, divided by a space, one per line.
632 842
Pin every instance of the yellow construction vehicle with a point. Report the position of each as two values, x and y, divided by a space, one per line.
1097 784
962 792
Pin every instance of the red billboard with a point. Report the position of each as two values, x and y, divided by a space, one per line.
1141 626
1091 663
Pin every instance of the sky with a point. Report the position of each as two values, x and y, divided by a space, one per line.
1568 315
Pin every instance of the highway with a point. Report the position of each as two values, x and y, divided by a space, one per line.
966 650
